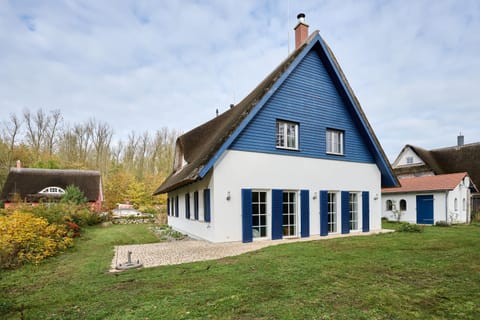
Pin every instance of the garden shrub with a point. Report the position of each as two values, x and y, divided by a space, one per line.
25 238
407 227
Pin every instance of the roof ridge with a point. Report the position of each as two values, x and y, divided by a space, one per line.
44 170
473 144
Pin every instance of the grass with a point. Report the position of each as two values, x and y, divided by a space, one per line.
429 275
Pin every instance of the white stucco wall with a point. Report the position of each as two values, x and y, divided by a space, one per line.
237 170
195 228
410 215
443 205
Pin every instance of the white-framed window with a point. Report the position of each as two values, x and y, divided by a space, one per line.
335 141
52 190
332 212
353 211
464 204
259 214
287 135
403 205
409 160
455 204
289 213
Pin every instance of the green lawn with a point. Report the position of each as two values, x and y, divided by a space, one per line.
429 275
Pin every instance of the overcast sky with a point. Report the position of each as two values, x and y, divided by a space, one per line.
143 65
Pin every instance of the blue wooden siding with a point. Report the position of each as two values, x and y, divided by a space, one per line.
206 204
323 213
345 211
365 211
247 233
309 97
277 214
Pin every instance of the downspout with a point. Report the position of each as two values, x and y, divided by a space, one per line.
446 206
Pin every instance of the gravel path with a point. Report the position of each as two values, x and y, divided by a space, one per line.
176 252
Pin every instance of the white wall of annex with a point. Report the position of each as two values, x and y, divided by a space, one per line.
238 170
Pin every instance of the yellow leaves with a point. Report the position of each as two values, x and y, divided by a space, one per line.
26 238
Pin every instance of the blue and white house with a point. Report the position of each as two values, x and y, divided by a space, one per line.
297 157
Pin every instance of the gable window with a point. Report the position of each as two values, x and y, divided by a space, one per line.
287 135
334 141
409 160
403 205
389 205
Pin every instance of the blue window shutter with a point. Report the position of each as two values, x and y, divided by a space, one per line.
187 205
323 213
195 205
345 212
305 213
366 211
176 206
168 206
206 204
277 214
247 234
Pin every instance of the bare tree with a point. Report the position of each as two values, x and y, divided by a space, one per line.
55 120
37 126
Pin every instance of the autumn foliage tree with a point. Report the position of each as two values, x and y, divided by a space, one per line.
131 168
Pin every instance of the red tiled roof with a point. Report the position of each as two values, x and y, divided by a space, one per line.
428 183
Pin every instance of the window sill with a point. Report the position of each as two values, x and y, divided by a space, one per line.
286 148
335 154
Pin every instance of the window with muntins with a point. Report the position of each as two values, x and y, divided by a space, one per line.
353 211
409 160
289 213
259 214
455 204
334 141
332 212
287 135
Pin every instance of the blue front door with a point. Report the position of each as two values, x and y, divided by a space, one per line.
425 209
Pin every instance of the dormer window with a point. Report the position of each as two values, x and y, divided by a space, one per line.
179 160
52 191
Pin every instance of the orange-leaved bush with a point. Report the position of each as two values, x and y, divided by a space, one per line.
25 238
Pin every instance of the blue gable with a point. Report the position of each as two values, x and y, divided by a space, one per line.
332 93
309 97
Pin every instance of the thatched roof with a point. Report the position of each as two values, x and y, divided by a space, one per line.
28 182
455 159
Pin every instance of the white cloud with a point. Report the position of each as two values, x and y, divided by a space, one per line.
145 65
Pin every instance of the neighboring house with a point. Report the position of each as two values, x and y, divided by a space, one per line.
296 157
48 185
429 199
415 162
